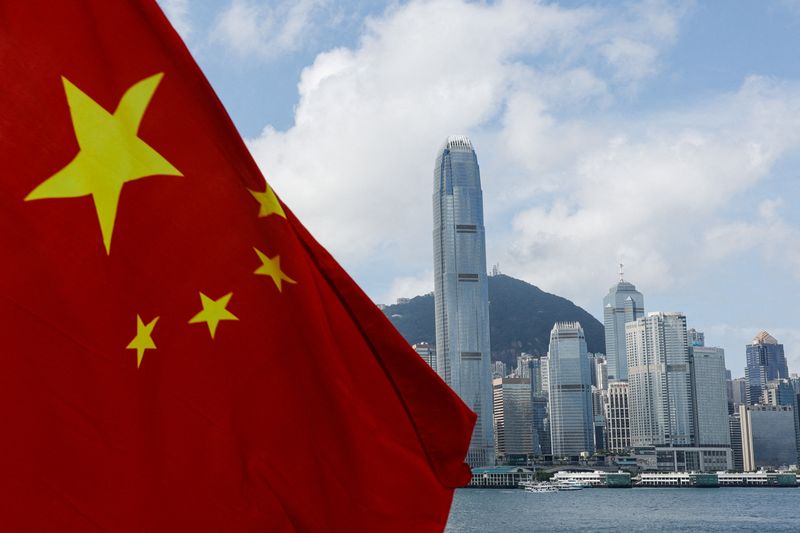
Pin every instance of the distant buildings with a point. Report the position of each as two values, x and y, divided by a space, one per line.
622 304
768 436
461 291
709 393
660 389
600 372
513 419
427 352
765 361
570 392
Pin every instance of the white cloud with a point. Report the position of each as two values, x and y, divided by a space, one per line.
266 29
407 286
357 164
177 11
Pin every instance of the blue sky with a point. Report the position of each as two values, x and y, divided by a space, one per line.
662 134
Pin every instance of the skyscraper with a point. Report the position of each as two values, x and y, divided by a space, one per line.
709 393
513 421
461 289
541 424
660 388
618 421
765 361
622 304
571 428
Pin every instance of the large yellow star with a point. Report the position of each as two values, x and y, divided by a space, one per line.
214 311
268 203
111 153
272 267
143 339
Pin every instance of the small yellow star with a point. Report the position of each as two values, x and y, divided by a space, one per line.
272 267
214 311
269 203
111 152
143 339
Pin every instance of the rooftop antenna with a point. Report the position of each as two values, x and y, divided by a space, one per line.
621 271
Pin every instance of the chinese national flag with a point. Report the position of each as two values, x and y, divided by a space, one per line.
178 353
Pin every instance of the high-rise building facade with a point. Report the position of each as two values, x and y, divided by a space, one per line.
735 429
710 396
695 338
513 419
622 304
571 427
600 372
765 361
618 420
541 423
659 378
461 290
768 436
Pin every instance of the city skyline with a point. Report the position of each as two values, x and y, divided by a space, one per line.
586 117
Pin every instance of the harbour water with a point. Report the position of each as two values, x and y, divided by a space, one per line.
627 510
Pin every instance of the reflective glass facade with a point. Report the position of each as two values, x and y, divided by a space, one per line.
622 304
571 420
765 361
709 391
461 288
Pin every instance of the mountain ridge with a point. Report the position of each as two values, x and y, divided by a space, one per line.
521 316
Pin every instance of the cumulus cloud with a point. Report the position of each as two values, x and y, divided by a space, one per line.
177 11
265 29
645 191
373 115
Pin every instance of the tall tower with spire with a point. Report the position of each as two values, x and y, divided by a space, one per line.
461 290
622 304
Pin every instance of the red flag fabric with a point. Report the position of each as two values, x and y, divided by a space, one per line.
178 353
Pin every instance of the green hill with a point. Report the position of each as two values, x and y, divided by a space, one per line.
521 316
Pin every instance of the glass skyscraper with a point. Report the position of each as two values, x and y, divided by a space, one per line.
710 396
461 289
622 304
765 361
571 420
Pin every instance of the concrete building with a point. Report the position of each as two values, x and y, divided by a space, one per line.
735 427
618 421
659 378
738 392
709 393
427 352
513 419
599 418
622 304
461 291
571 428
768 436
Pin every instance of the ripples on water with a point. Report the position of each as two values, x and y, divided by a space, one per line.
641 509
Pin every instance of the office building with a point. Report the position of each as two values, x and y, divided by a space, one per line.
765 361
735 427
659 380
768 436
427 352
618 421
571 428
513 419
600 372
695 338
541 424
461 292
622 304
738 392
709 392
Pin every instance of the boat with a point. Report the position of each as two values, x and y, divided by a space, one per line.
569 484
540 487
